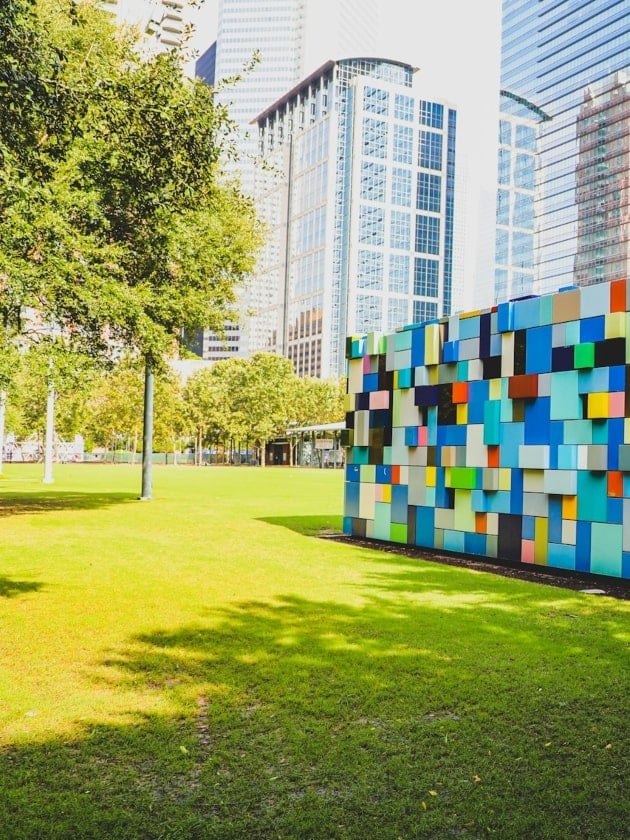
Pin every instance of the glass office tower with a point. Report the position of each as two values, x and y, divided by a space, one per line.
555 53
359 199
290 38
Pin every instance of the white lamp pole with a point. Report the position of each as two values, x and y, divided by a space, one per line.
50 429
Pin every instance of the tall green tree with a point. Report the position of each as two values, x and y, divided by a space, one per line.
207 402
115 221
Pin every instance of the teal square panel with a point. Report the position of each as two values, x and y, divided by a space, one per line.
606 549
565 398
592 493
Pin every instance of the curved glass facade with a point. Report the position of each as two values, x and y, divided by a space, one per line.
558 55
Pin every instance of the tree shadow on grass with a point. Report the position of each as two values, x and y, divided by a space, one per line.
311 526
398 716
10 588
14 504
330 527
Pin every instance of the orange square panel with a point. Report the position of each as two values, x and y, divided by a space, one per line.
618 296
460 392
493 456
615 484
481 523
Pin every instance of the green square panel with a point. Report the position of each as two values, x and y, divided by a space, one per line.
584 355
398 532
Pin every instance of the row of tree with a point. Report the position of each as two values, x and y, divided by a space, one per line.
250 401
117 227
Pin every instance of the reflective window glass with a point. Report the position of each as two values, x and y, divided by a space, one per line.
429 192
374 137
503 207
426 277
403 143
403 107
370 269
431 114
400 230
428 234
373 180
371 225
424 311
399 273
375 100
430 156
401 187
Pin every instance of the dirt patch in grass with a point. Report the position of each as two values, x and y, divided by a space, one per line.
598 584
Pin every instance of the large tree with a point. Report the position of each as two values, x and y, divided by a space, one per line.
115 222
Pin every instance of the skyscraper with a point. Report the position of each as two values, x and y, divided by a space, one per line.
289 39
359 197
603 182
304 35
515 274
553 53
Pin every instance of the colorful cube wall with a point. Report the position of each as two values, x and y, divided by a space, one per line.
503 433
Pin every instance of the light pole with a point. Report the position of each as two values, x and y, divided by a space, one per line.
147 434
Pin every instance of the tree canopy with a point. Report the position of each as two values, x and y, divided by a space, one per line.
115 222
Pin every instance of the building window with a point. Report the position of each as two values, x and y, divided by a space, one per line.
399 273
400 230
374 138
500 283
375 100
371 225
505 132
426 277
369 313
429 192
370 269
403 144
401 187
427 234
431 114
403 107
397 313
524 210
503 207
424 311
505 161
373 181
524 172
502 247
526 137
430 156
523 250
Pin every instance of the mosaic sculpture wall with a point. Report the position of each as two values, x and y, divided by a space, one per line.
503 433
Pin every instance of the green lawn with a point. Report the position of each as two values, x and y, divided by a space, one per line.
202 666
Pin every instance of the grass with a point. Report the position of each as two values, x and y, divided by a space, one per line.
200 666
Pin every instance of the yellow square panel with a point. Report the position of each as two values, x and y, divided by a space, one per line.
598 405
505 478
